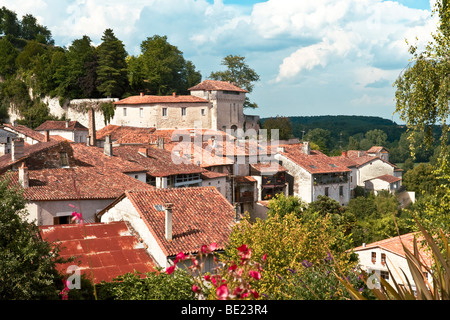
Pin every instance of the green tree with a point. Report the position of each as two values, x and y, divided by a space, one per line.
164 69
9 24
27 264
112 68
282 205
8 55
282 124
31 30
238 72
320 137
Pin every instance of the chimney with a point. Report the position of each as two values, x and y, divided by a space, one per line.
17 146
174 94
46 136
280 149
23 176
306 148
160 142
168 221
142 94
67 123
92 138
344 153
108 150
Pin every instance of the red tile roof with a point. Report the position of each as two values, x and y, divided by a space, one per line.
214 85
201 216
95 157
268 168
77 184
315 162
61 125
394 245
26 132
103 251
157 163
119 132
388 178
149 99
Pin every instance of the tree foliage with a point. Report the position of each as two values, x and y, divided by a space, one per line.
237 72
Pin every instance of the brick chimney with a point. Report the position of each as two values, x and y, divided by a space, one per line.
142 94
168 221
92 138
107 148
24 176
17 149
46 136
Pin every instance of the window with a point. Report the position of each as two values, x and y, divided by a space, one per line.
341 191
384 275
164 112
183 111
326 191
124 112
383 258
63 160
141 112
203 112
374 257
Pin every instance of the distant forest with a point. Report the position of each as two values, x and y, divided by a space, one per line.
333 134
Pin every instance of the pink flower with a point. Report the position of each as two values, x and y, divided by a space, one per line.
255 294
264 257
213 246
65 292
255 274
243 248
222 292
207 277
180 257
195 288
232 268
76 216
170 269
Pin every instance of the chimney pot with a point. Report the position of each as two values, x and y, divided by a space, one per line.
108 150
24 176
306 148
46 136
142 94
17 147
67 123
168 220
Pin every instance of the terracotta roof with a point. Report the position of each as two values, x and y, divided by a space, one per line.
150 99
103 251
90 156
388 178
26 132
207 174
244 179
29 150
214 85
77 184
118 132
61 125
315 162
268 168
375 149
201 216
394 245
157 163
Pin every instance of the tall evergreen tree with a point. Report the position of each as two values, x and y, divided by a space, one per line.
112 67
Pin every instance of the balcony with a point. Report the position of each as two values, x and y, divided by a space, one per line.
246 196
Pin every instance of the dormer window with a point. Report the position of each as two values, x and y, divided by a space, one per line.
63 159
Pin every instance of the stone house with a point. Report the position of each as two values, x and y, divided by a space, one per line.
384 182
70 130
378 256
311 173
6 137
170 221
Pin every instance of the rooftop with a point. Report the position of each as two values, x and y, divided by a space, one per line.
61 125
201 216
101 251
214 85
151 99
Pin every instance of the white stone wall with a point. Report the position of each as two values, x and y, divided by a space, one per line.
396 264
43 212
373 169
220 183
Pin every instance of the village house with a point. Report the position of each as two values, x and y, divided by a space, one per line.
378 256
6 137
101 251
368 165
311 173
28 135
170 221
70 130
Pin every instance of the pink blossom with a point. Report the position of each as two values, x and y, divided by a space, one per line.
76 216
232 268
255 274
170 269
180 257
195 288
204 249
213 246
243 248
222 292
65 292
255 294
207 277
264 257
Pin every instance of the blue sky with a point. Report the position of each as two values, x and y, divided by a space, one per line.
322 57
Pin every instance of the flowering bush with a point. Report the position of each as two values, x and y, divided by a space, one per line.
229 280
